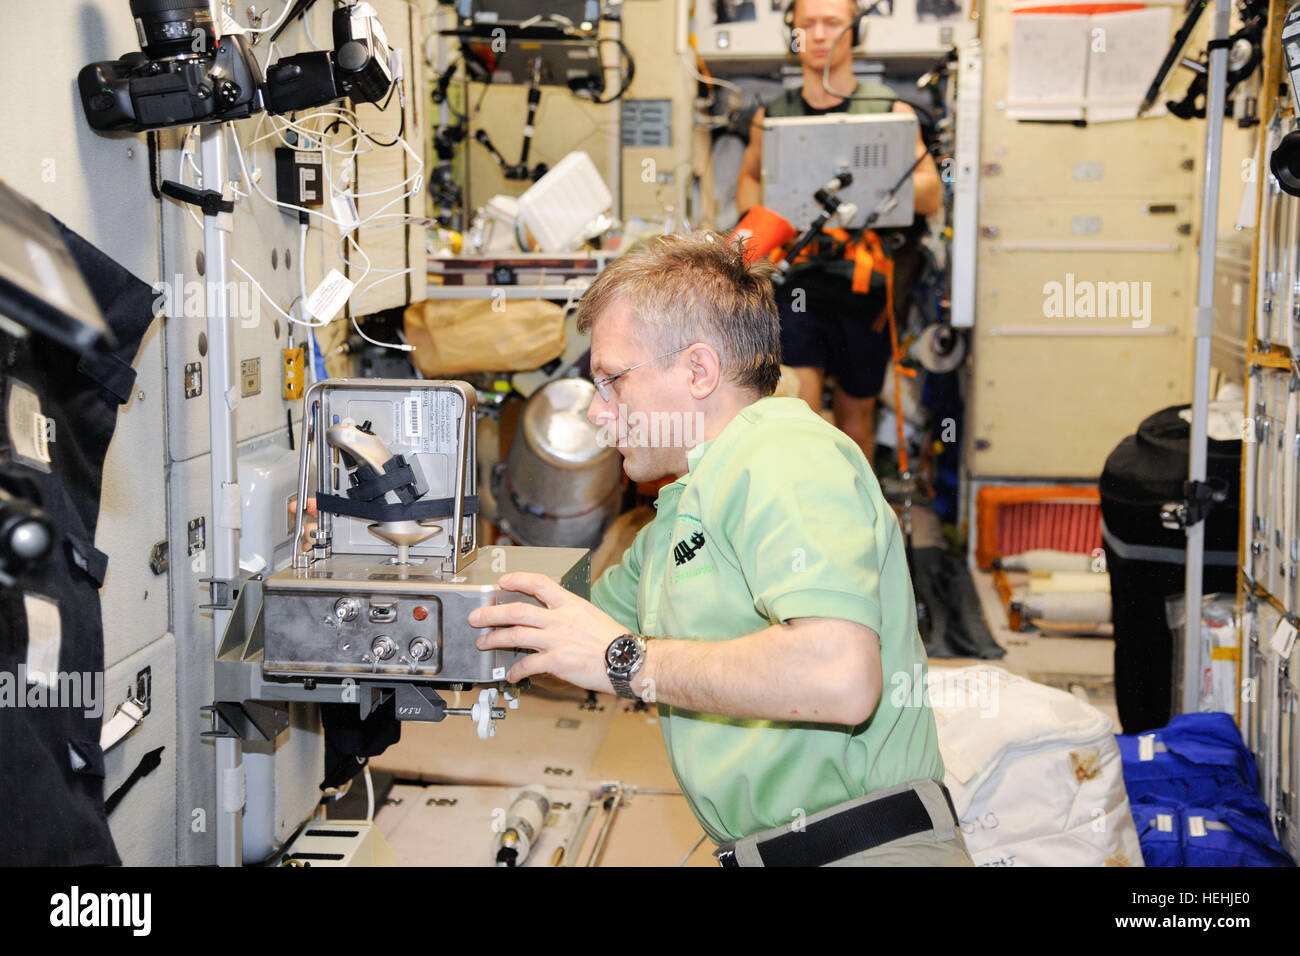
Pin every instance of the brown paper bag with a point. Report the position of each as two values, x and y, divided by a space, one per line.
458 336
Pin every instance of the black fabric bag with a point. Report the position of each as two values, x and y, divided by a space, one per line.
51 766
1147 560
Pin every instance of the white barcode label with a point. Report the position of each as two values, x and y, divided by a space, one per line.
1196 826
1165 822
413 418
1147 747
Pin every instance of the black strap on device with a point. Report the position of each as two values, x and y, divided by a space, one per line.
398 477
385 511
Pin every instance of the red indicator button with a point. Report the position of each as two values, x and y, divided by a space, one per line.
420 613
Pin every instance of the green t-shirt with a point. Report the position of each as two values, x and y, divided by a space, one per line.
779 517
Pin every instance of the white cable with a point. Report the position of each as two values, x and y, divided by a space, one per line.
274 202
711 81
306 26
358 297
370 796
258 286
692 850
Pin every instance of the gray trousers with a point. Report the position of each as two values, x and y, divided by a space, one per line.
942 845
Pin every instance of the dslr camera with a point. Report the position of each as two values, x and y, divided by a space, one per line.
186 74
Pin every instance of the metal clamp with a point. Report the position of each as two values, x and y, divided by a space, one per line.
223 591
1200 497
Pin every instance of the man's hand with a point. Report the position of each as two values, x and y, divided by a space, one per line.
307 526
570 635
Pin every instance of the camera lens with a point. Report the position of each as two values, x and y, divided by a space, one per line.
172 28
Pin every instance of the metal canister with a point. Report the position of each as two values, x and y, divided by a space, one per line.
560 485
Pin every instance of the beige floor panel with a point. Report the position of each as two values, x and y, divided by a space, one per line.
551 738
651 830
634 751
454 825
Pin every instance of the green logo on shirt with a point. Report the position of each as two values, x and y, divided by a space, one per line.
684 551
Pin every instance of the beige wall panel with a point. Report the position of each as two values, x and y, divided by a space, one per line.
649 30
1056 407
1062 161
1051 396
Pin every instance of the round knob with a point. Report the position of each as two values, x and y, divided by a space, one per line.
383 648
29 541
420 649
346 609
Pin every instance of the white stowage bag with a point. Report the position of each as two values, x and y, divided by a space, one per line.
1034 772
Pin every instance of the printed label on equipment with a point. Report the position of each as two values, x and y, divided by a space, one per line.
1196 826
1165 822
412 418
329 296
498 673
1283 638
29 430
428 421
1147 747
44 639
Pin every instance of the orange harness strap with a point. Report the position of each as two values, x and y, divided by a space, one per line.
868 255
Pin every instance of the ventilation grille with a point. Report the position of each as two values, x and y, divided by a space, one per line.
1012 520
870 155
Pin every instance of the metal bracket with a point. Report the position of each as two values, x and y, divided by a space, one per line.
419 702
224 592
250 720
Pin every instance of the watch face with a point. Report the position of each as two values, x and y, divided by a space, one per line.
623 653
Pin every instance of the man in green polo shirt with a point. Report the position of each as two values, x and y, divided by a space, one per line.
772 585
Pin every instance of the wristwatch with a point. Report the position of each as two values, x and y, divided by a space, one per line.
623 658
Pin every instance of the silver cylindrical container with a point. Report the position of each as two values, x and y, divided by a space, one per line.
560 485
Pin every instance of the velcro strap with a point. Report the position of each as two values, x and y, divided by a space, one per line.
385 511
856 830
87 557
369 485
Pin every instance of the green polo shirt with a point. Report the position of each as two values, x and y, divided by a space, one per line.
779 517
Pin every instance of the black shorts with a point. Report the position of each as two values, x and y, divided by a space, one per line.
834 331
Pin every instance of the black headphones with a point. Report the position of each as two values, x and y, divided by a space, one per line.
859 33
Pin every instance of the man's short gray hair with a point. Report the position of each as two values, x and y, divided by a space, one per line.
682 289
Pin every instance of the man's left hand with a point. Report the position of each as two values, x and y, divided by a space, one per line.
570 635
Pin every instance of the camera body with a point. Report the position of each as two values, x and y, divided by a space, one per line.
357 68
185 75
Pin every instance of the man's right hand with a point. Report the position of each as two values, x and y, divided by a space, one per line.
308 526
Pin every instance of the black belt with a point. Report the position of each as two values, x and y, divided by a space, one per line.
855 830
